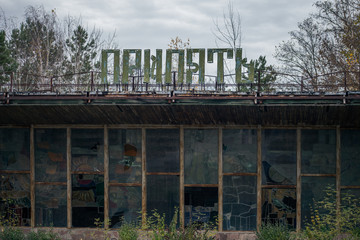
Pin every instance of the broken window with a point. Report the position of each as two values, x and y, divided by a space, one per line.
201 206
87 159
125 155
125 169
239 197
87 199
279 206
279 157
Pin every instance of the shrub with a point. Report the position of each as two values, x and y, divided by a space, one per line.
194 231
128 231
11 233
8 216
43 235
328 222
273 232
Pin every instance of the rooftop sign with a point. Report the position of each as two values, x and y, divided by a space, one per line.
152 68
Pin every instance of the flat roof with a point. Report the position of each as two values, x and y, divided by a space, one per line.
182 108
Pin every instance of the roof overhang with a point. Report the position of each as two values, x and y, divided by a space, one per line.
182 109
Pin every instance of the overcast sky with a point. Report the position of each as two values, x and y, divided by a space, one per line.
152 23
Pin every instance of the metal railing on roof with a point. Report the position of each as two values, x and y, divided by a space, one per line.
337 82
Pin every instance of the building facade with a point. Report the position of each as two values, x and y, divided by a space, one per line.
232 160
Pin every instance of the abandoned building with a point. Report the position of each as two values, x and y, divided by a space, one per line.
118 152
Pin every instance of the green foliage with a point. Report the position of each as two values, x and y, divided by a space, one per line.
273 232
267 75
8 216
37 45
42 46
82 50
194 231
328 222
7 63
128 231
11 233
43 235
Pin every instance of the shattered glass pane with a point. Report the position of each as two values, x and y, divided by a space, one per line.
87 199
125 155
201 205
279 157
239 197
279 206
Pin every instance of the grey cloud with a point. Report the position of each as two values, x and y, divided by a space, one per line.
151 23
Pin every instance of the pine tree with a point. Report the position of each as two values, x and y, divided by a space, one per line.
82 51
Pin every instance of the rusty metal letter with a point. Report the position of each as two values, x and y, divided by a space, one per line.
169 53
104 64
220 60
238 64
147 66
156 64
196 67
126 67
251 70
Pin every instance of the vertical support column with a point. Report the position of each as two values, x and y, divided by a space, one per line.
338 169
298 179
68 177
32 176
258 182
220 181
106 177
182 189
143 175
